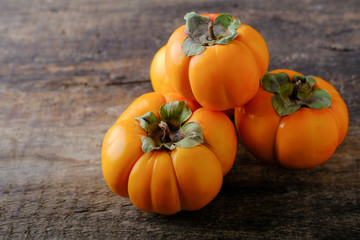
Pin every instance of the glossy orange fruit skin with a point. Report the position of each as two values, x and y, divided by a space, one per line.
158 76
163 181
303 139
223 76
160 80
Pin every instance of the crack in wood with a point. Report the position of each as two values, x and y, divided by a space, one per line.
339 47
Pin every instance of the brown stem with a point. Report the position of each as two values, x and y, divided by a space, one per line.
294 93
174 136
211 31
166 131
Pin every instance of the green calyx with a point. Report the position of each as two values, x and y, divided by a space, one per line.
203 32
291 96
170 131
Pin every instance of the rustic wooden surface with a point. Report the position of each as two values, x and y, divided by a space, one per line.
69 68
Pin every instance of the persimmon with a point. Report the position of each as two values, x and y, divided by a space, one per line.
168 154
294 120
213 59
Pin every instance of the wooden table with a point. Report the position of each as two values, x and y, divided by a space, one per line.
69 68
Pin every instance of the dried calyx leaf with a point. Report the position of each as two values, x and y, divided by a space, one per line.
170 131
291 96
203 32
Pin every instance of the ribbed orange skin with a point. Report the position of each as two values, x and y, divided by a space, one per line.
223 76
164 181
161 82
303 139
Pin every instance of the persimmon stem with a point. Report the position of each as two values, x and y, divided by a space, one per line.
294 93
211 31
166 131
174 136
171 130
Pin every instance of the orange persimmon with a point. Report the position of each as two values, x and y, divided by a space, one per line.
167 153
213 59
293 120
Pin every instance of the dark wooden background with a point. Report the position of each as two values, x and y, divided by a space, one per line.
69 68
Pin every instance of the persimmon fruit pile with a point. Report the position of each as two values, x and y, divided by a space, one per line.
170 149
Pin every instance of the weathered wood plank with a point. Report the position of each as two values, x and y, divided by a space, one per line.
69 68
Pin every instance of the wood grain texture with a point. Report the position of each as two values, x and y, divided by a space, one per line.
69 68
